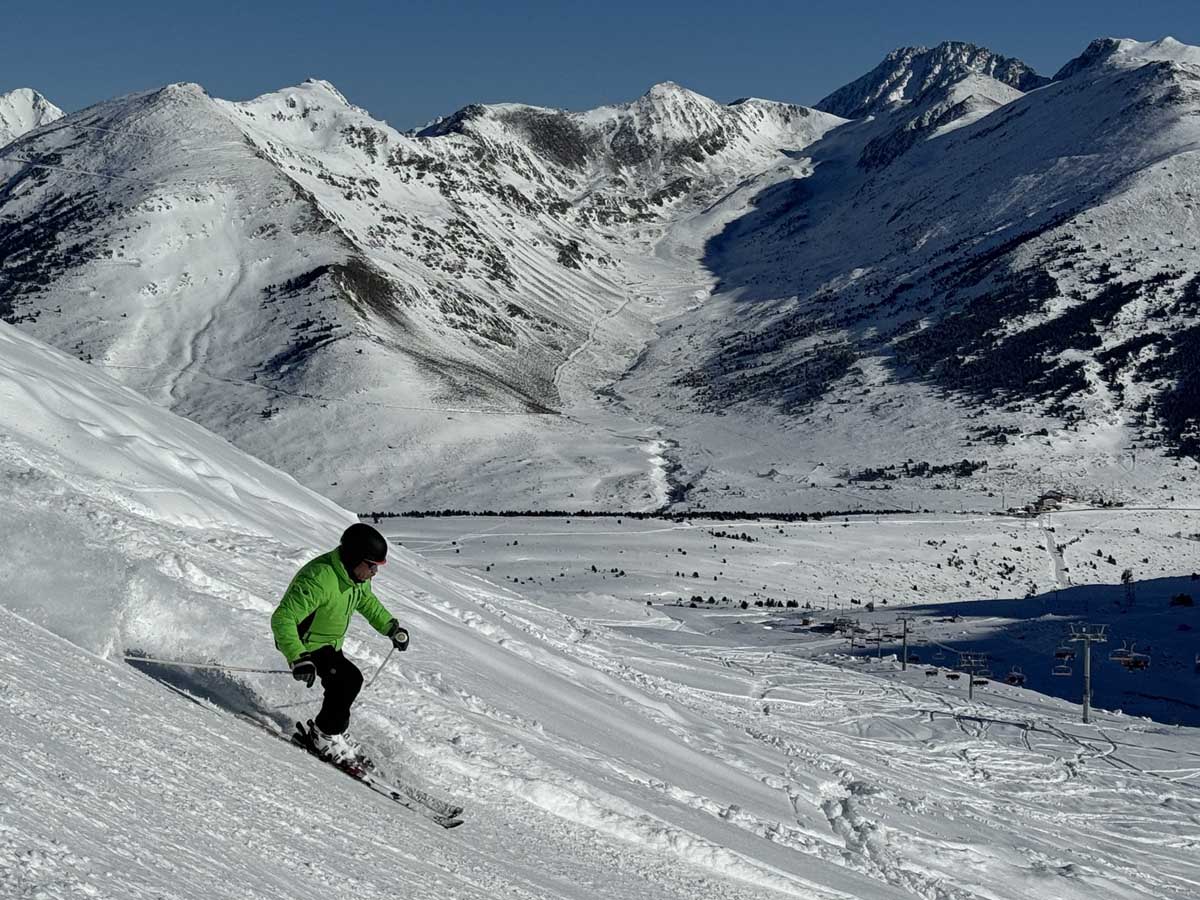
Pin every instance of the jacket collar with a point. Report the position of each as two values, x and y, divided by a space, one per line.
339 567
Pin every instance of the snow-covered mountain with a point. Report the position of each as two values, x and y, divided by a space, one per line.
316 267
909 74
627 306
602 747
1128 53
671 142
23 110
1036 263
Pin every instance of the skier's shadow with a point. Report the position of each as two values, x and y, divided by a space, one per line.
212 689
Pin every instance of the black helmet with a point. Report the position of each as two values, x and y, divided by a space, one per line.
360 541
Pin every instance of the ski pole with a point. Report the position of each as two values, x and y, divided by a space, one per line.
380 669
188 665
365 686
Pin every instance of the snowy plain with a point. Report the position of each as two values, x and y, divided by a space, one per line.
603 747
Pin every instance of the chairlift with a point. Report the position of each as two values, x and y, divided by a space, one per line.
929 672
953 676
1064 653
940 655
1122 653
913 658
1015 677
1062 669
979 682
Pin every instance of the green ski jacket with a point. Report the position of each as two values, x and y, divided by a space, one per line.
316 608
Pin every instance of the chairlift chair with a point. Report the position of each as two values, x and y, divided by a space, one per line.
1016 677
1062 669
1137 662
979 682
953 676
1122 653
1064 653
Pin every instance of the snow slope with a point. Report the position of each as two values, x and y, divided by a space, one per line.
23 110
603 748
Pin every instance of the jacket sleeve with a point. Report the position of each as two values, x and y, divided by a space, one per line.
301 598
374 611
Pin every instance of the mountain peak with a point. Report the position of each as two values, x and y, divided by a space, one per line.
669 94
666 89
907 73
1128 53
183 89
23 110
326 87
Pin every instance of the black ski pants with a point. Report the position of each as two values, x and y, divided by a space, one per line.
342 681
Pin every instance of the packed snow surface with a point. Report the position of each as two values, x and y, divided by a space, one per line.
603 746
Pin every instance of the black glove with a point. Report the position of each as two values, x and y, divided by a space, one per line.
398 635
304 669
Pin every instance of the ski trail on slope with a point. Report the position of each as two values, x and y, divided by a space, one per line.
561 368
1058 567
196 342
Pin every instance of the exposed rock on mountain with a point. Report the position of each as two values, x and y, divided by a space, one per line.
639 156
908 75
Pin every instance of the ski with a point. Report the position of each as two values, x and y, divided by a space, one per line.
412 798
409 797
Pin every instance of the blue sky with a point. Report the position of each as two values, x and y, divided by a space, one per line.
408 62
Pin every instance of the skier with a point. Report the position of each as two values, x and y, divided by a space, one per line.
310 624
